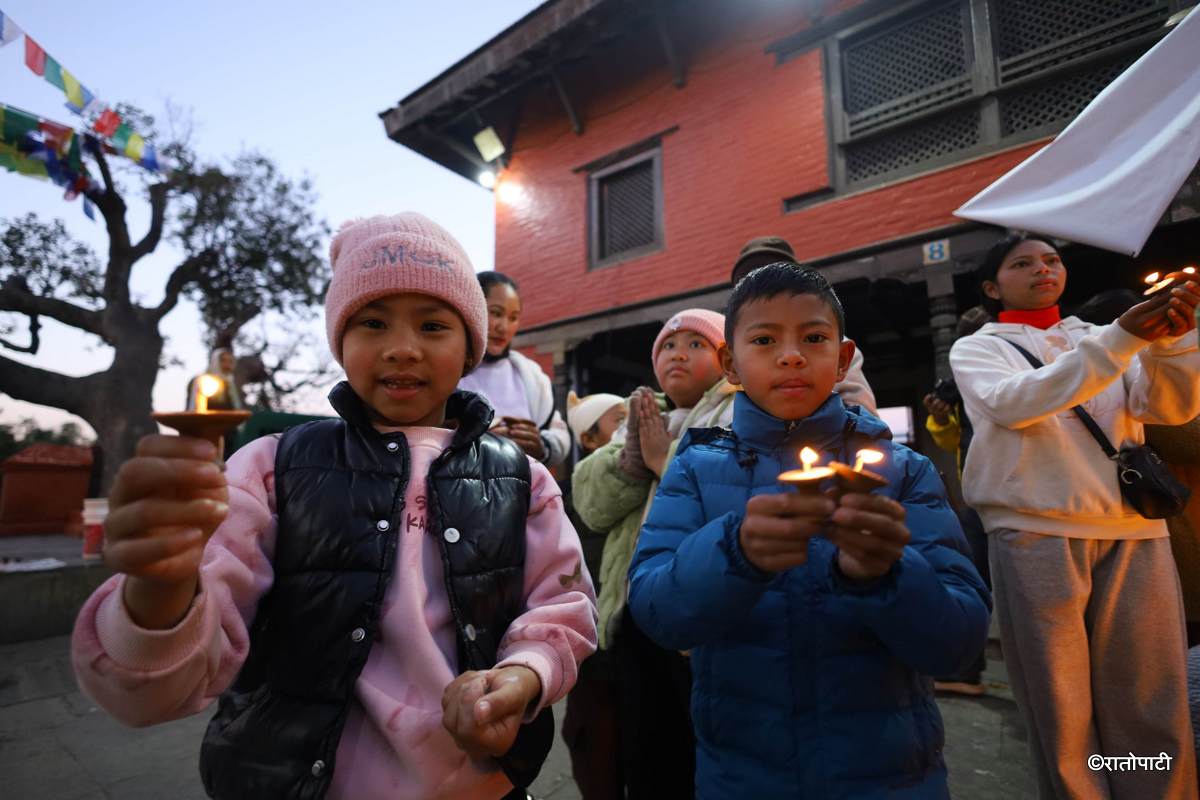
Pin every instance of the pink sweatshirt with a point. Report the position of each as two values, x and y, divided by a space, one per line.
393 745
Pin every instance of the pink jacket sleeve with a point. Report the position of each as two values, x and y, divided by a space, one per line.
558 629
143 677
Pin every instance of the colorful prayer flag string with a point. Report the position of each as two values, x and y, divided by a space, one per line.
15 124
30 145
81 100
13 160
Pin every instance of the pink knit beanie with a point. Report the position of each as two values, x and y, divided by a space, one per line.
379 256
708 324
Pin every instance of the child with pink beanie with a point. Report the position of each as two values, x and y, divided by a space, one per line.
385 605
612 489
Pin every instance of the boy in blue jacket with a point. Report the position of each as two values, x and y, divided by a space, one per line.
813 623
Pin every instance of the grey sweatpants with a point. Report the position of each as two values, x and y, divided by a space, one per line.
1094 645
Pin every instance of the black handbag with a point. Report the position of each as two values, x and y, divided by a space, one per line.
1146 482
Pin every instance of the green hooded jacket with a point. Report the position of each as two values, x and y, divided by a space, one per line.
612 503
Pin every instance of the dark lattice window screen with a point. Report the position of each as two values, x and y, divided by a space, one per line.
911 58
1035 35
1026 25
904 73
912 146
913 95
1058 100
627 209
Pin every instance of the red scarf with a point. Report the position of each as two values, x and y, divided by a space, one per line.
1040 318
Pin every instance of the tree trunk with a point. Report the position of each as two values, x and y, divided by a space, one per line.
120 404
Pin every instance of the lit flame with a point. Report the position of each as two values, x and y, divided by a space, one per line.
206 386
209 385
863 457
808 457
1165 282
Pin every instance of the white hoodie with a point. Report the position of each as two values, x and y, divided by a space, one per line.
1032 465
540 397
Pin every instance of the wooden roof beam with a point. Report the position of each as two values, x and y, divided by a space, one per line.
565 98
444 138
674 57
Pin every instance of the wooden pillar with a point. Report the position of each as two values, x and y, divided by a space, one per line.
943 314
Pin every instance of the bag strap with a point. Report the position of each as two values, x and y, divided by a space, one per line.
1084 417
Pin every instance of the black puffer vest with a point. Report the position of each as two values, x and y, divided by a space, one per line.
340 495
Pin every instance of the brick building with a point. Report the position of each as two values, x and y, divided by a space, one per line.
42 489
645 140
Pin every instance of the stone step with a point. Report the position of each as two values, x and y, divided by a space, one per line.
37 605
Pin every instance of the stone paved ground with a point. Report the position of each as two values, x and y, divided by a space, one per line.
55 745
985 740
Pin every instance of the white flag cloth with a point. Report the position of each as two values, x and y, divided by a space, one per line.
8 30
1109 176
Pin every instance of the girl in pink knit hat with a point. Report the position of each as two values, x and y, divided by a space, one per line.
385 604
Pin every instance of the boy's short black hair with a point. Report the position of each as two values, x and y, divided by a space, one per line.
781 277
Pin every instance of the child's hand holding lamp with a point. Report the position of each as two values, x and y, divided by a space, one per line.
869 529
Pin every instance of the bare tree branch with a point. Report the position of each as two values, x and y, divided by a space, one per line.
120 256
110 188
23 382
224 335
35 339
95 195
317 377
274 392
183 274
158 212
15 297
110 202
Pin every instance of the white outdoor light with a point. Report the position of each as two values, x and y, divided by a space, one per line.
487 179
488 143
509 192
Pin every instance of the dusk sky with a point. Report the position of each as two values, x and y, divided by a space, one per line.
299 81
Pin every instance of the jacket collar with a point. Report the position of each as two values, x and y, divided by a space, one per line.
472 412
713 396
824 429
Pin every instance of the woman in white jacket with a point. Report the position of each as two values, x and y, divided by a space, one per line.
1086 592
516 386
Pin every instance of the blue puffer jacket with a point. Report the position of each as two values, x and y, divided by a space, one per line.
806 686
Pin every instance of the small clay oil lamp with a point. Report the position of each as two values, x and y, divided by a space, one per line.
202 423
1158 283
807 480
859 479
